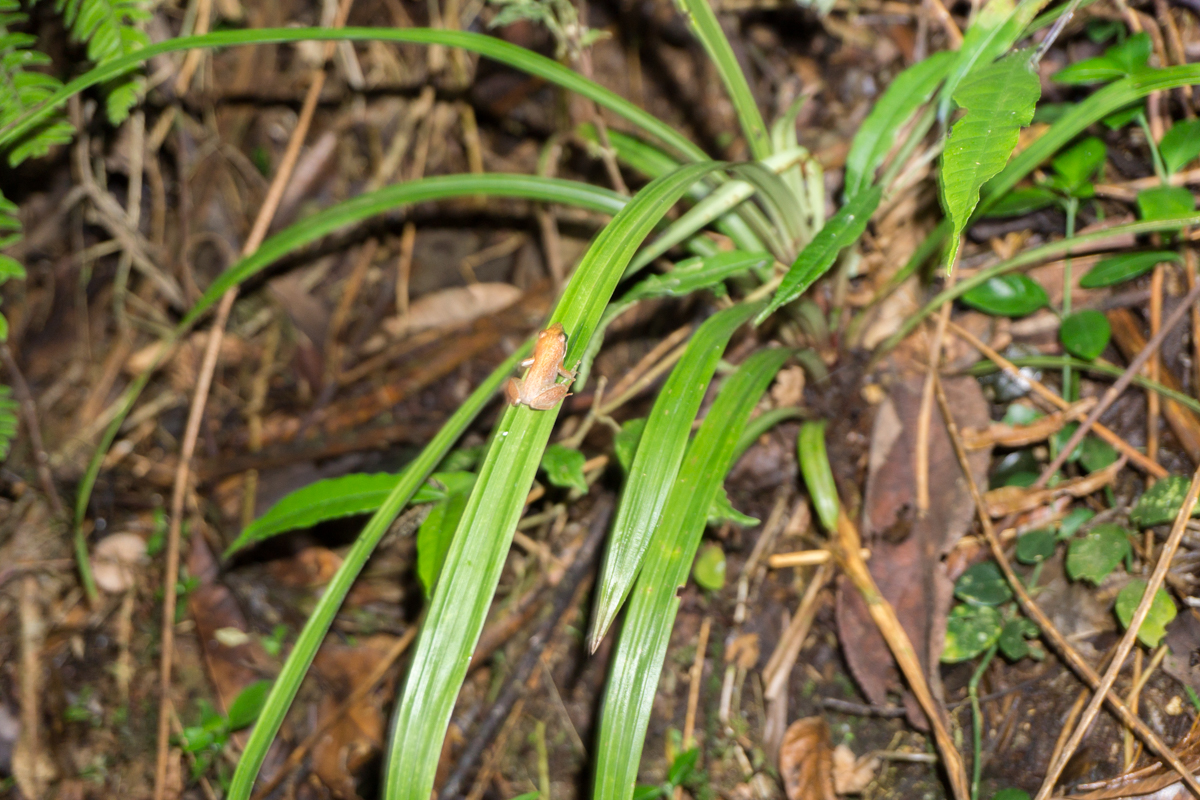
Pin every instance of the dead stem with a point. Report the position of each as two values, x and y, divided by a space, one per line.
926 410
1064 649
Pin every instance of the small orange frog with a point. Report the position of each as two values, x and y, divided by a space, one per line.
539 389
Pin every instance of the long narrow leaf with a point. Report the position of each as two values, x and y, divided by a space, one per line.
656 462
646 631
283 691
488 46
911 89
815 260
708 29
476 557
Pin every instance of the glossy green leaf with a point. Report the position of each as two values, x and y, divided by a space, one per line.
983 585
969 631
1160 503
646 630
246 707
911 89
437 529
1074 521
360 493
564 467
1119 119
1119 61
464 589
1035 547
1013 638
657 462
723 511
1085 333
999 100
1165 202
1097 553
839 232
1007 296
822 491
1077 166
288 683
1125 267
1020 202
1180 145
703 22
1162 611
709 569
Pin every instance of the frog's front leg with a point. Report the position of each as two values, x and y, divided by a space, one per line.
549 398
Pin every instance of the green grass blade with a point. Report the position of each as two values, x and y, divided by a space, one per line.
283 691
911 89
1051 250
487 46
323 222
477 554
814 464
708 30
717 204
657 460
646 631
842 230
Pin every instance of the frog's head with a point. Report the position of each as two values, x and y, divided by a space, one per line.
554 331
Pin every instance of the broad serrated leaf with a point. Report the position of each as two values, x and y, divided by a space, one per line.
1161 502
564 467
969 631
1012 295
983 585
1097 553
875 137
656 462
840 231
1162 611
1085 333
999 100
1180 145
1124 267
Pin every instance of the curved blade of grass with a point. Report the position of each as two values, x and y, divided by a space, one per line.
656 462
654 163
842 230
690 275
720 202
810 452
487 46
646 631
707 28
763 423
477 553
314 227
283 691
1029 257
1101 367
911 89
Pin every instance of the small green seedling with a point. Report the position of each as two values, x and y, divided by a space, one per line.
683 772
206 739
1162 611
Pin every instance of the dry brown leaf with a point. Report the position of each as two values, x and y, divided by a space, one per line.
447 308
806 760
851 774
1039 430
1015 499
115 560
789 387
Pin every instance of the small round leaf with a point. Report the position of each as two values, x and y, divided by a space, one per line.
1007 296
1162 611
1036 546
709 570
983 585
969 631
1085 333
1097 553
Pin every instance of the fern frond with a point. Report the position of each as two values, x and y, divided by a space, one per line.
10 234
111 30
8 421
22 88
